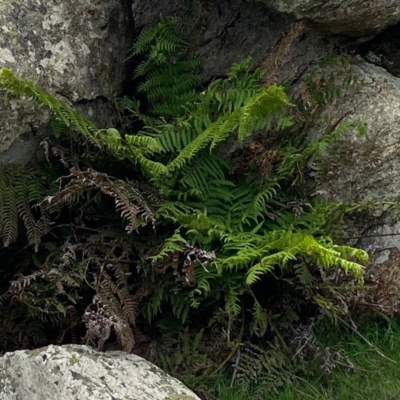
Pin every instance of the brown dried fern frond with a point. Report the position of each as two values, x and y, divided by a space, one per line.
65 155
114 306
128 199
183 263
114 309
99 323
306 349
45 291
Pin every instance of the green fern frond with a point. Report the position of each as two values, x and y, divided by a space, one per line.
319 147
163 32
146 144
207 175
173 139
167 79
65 118
180 307
171 245
258 107
58 128
21 189
20 87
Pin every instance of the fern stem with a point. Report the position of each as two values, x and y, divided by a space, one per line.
280 338
238 342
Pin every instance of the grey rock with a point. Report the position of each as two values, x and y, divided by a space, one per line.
345 17
23 150
383 273
224 32
234 30
365 170
75 372
369 166
75 50
228 31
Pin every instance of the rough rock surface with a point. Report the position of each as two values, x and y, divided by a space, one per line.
369 167
345 17
383 272
228 31
79 373
225 31
366 170
74 49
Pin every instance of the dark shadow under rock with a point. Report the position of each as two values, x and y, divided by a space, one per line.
384 50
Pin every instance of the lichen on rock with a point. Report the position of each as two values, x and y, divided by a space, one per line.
81 373
73 49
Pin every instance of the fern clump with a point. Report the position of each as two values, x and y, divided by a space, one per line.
21 191
210 228
168 79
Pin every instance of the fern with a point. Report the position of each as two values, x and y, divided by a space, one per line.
169 80
20 87
186 354
271 368
228 217
128 200
65 119
234 215
21 189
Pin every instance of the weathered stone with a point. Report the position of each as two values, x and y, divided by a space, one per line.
365 170
382 276
345 17
79 372
226 32
369 167
74 49
233 31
